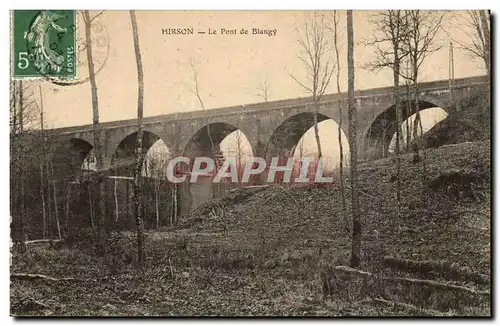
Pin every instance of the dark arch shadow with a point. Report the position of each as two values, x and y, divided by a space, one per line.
287 135
200 144
68 158
379 135
123 160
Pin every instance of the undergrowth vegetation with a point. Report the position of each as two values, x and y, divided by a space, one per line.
277 251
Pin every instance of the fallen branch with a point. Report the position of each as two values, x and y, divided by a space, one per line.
434 284
32 277
42 241
444 269
438 285
171 268
366 194
250 187
410 307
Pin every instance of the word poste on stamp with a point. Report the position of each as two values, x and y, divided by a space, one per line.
100 50
44 43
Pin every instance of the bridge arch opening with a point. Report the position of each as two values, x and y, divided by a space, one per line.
287 135
156 160
158 206
236 147
123 159
328 131
296 137
69 157
428 119
219 141
383 128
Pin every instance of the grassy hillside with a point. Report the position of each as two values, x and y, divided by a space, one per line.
470 124
263 251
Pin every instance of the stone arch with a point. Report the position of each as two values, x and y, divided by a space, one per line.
68 157
378 137
286 136
123 158
200 143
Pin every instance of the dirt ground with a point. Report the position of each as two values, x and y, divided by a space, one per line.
265 251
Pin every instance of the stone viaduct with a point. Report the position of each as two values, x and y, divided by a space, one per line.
270 127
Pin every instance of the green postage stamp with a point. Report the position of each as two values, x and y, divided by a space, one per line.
43 44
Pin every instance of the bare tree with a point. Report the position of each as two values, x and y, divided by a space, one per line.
422 27
341 147
315 55
406 134
196 92
155 168
356 223
240 149
43 161
95 128
215 150
389 44
263 90
89 188
475 24
22 213
139 157
54 193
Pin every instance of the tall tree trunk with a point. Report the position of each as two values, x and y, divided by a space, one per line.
341 147
44 158
49 200
139 157
341 169
42 195
374 157
54 193
487 40
408 115
485 26
175 209
14 168
66 207
356 223
22 222
91 203
14 109
96 130
451 78
424 159
383 142
127 201
117 208
398 125
316 131
416 138
157 203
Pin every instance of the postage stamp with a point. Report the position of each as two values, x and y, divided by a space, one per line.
100 50
43 44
